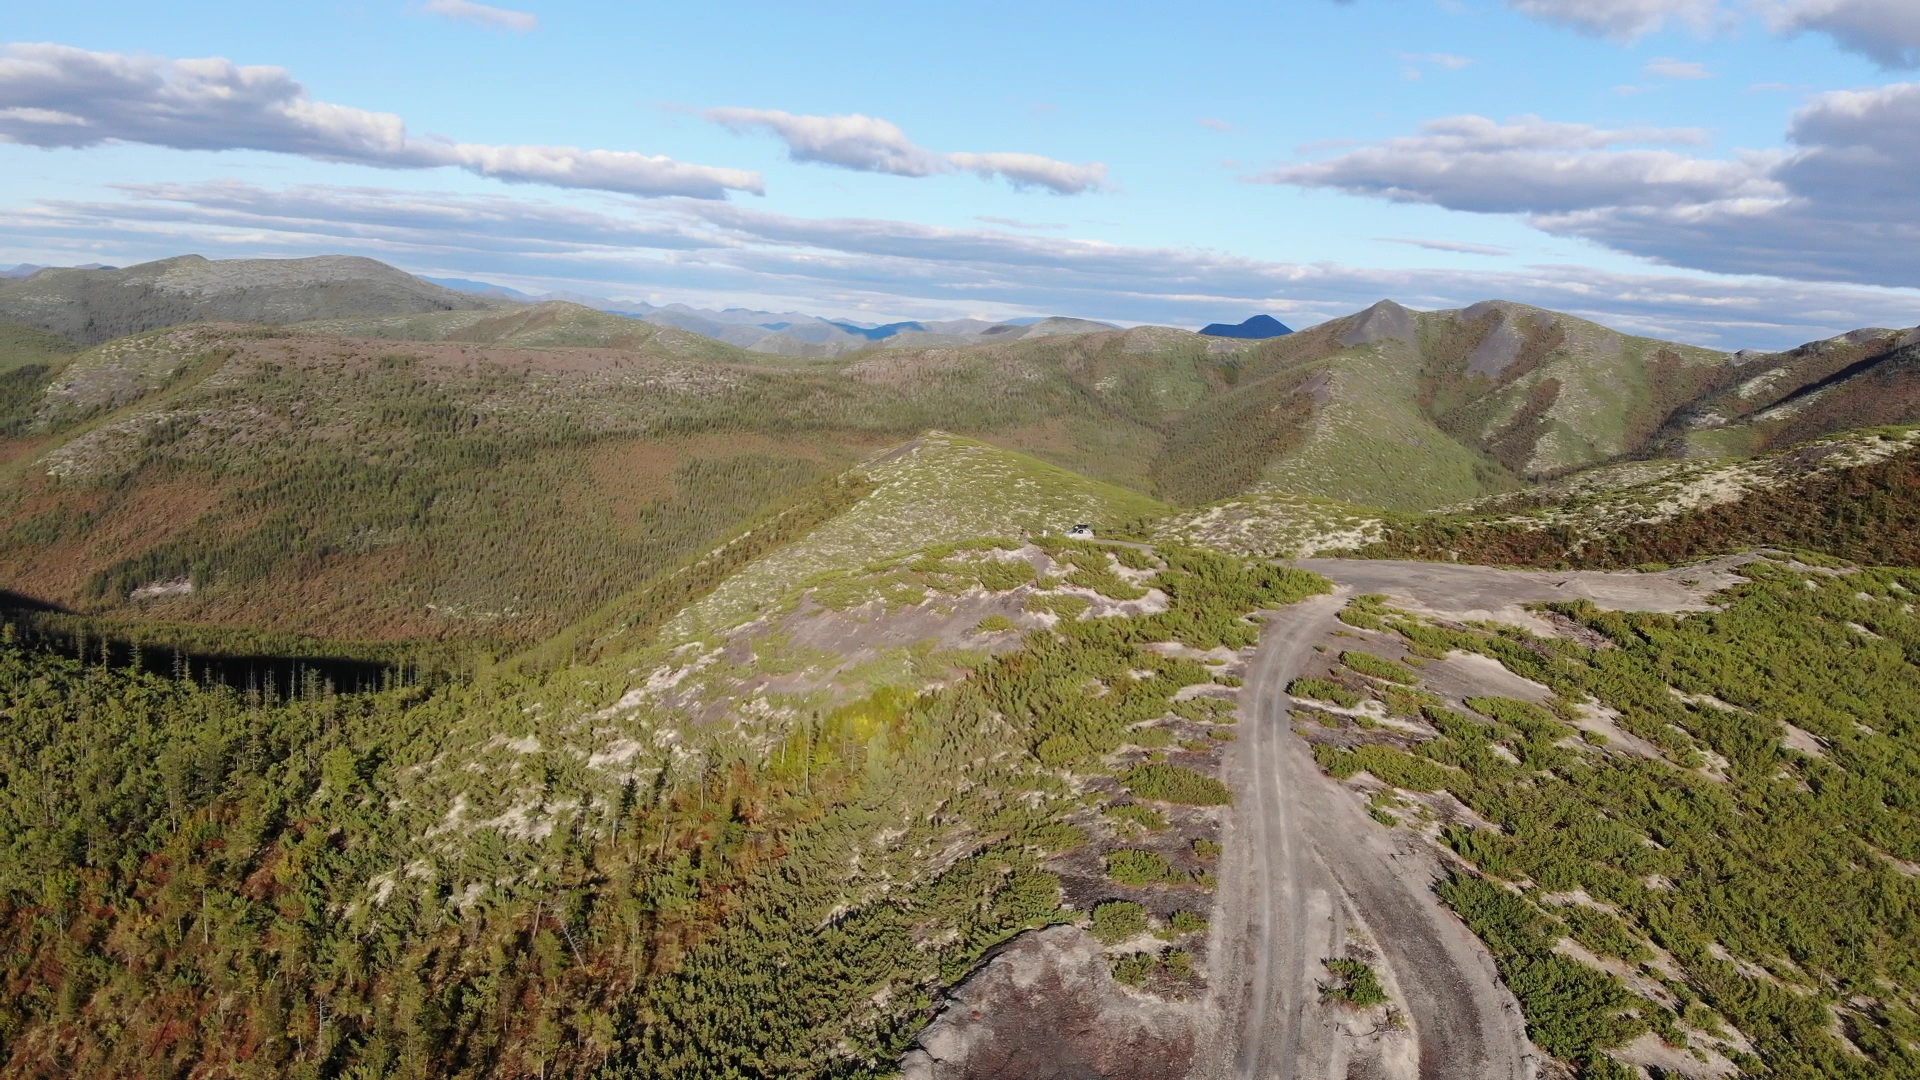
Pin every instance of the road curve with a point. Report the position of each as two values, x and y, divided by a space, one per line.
1302 858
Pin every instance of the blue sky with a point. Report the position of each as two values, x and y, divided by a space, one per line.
1743 173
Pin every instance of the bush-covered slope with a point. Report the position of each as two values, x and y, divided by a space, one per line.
1855 496
669 863
1706 838
1862 379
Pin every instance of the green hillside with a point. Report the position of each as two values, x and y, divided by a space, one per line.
347 487
1861 379
28 360
537 326
1413 410
92 306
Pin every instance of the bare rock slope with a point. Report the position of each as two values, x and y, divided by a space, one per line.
1047 1008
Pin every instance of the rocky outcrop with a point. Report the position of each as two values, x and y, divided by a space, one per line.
1047 1008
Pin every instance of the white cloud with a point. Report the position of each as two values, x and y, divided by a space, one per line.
1416 63
870 144
1669 68
1034 171
1212 124
1526 164
1888 31
520 22
1839 207
729 253
57 96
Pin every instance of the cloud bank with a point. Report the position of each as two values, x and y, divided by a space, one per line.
1524 165
1886 31
57 96
870 144
1836 207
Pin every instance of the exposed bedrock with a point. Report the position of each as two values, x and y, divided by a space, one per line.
1048 1008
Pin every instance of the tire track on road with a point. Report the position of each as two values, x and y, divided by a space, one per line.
1302 843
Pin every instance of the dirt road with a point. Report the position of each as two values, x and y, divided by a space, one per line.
1306 870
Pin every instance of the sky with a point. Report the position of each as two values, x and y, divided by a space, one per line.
1734 173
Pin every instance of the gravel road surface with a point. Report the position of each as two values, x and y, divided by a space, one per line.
1305 866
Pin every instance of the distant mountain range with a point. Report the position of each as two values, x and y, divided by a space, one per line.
1259 328
793 333
95 303
29 269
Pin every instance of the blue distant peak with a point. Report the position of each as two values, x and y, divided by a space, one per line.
1260 326
878 332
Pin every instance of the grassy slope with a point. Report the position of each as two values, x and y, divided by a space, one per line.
937 489
1862 379
29 359
1402 419
1599 394
23 345
1372 443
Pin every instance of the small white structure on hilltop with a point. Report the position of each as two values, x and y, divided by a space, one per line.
1082 531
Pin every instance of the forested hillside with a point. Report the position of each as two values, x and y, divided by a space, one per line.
355 488
558 875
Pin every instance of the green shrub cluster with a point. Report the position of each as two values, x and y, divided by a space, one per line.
1379 668
1137 969
1139 868
1354 984
1140 816
1324 690
1174 784
1117 920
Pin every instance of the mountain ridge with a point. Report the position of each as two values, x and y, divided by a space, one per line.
94 306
